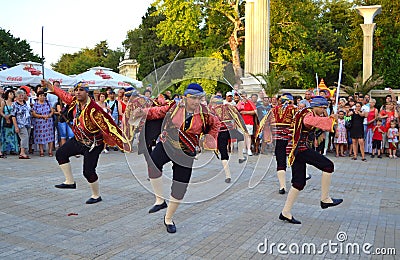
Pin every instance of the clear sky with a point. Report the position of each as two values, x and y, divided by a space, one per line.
70 25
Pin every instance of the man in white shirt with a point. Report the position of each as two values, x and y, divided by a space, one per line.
229 99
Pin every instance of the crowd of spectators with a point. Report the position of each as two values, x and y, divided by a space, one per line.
33 120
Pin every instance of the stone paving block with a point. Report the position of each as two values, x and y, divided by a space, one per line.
34 223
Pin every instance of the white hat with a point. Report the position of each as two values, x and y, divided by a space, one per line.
228 93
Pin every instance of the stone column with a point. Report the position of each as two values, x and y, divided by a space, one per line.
368 12
257 37
249 41
256 43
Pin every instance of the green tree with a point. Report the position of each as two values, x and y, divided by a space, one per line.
300 41
386 61
100 55
145 45
14 50
185 22
364 88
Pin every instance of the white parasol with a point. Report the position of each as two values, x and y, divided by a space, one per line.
29 72
105 77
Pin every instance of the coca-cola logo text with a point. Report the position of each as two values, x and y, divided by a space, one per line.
9 78
102 74
32 70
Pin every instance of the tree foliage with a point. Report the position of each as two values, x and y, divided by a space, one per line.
14 50
145 46
193 23
363 87
100 55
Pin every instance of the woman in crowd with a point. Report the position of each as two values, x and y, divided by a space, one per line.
9 140
388 114
372 115
121 107
43 132
357 130
21 116
103 104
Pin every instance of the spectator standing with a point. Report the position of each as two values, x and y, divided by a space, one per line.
357 131
340 135
104 105
307 97
248 110
378 131
372 115
113 105
64 128
347 119
8 137
387 115
147 93
43 132
393 134
121 93
21 116
96 94
365 109
229 99
122 106
236 98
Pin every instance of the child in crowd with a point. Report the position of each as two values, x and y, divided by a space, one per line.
340 135
392 135
377 137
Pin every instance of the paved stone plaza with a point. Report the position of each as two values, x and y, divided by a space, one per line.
234 221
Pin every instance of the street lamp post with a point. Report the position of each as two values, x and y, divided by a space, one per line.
368 27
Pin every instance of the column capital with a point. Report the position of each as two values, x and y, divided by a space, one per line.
369 12
368 29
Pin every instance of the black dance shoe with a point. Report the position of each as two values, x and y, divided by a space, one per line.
66 186
292 220
171 228
282 191
242 160
228 180
156 208
92 201
334 202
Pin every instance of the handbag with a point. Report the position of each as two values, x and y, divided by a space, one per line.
6 124
347 124
64 115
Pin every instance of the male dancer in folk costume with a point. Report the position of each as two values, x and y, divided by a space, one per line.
148 130
305 122
185 124
92 128
229 117
277 124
